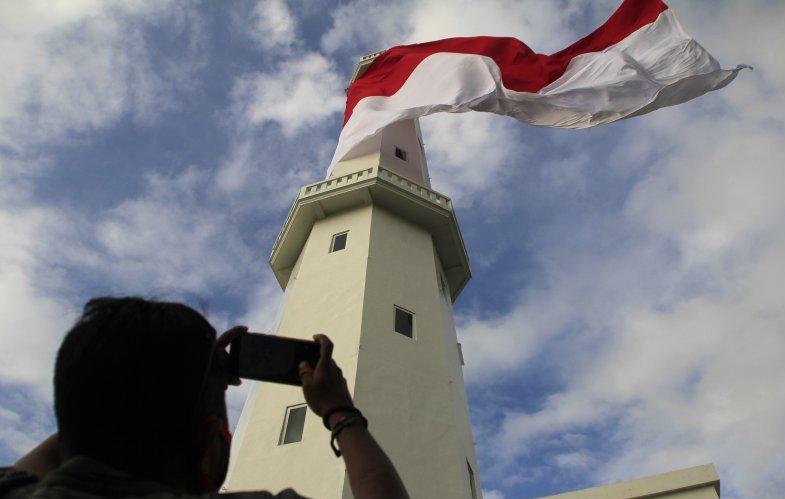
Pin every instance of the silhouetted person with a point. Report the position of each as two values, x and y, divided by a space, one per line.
140 404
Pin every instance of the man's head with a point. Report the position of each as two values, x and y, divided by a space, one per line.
133 389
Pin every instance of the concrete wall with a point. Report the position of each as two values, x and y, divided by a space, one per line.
324 295
404 134
699 482
411 389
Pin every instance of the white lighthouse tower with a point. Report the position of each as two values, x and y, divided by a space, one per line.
373 258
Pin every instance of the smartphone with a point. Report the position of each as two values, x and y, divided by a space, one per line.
265 357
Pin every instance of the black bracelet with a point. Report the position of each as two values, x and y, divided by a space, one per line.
330 412
355 419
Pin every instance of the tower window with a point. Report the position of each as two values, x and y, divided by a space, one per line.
404 322
293 424
460 354
471 480
338 242
400 153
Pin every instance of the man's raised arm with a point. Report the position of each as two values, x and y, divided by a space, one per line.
371 473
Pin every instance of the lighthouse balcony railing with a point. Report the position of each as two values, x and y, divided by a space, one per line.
382 174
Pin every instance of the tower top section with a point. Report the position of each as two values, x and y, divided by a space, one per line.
363 64
383 188
398 147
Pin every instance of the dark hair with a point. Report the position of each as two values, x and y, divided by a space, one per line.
127 382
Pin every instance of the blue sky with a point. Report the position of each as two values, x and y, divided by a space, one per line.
626 314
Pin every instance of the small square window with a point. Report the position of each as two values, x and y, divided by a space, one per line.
400 153
404 322
293 424
338 242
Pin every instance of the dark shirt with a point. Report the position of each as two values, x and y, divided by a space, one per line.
85 478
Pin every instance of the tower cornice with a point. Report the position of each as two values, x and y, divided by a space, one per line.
381 187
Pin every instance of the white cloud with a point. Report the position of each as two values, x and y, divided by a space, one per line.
694 383
258 173
75 67
21 430
272 26
31 315
28 320
173 242
492 494
237 167
28 314
674 332
545 25
297 94
468 153
364 26
573 460
264 306
172 237
302 91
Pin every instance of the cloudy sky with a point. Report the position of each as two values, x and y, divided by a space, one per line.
626 315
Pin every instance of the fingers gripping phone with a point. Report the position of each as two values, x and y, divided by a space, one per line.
265 357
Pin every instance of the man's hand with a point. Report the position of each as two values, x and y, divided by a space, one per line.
221 359
324 387
371 474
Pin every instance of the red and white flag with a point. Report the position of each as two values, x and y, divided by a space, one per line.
640 60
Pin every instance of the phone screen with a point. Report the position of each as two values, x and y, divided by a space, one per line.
265 357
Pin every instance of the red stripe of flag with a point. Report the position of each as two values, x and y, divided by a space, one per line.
522 69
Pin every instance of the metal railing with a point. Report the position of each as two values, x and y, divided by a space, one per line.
378 172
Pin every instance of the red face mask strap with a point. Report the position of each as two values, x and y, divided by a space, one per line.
226 435
206 441
210 422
